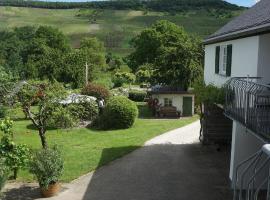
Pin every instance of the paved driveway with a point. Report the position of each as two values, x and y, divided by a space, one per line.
173 166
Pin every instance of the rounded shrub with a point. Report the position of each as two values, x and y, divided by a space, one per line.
119 113
95 90
137 95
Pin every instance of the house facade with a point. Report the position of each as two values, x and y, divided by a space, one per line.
237 57
168 97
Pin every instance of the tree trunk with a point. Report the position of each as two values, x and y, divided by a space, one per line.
15 173
42 137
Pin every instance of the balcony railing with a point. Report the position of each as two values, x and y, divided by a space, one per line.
248 102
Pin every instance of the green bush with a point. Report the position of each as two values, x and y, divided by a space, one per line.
104 80
85 110
120 91
63 118
3 174
119 113
137 95
3 111
47 165
16 156
121 78
95 90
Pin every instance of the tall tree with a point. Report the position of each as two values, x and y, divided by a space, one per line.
175 56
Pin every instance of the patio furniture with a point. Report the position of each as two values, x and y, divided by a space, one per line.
168 111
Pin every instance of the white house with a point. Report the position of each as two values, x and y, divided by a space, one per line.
182 101
238 56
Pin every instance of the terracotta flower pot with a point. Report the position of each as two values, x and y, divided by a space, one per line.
51 191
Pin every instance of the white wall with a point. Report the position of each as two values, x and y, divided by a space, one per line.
264 58
244 144
177 100
244 60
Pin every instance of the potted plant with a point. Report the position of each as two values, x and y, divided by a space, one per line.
47 165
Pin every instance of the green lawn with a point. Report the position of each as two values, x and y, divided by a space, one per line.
119 26
85 150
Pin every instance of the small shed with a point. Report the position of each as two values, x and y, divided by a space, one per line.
170 98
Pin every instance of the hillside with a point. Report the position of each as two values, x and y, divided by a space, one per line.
153 5
114 27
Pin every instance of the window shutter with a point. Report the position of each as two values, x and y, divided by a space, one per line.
217 59
229 60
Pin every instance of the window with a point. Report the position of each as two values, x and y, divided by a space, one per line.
167 102
223 61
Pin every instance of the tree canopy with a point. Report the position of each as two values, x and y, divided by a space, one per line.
174 56
45 53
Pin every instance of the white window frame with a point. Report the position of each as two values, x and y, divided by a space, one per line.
168 102
223 60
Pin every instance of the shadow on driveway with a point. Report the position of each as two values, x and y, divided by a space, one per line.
153 172
162 172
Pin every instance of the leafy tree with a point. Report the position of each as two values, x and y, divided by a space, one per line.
44 53
93 44
45 96
114 62
144 73
4 75
121 78
53 38
91 52
175 55
16 156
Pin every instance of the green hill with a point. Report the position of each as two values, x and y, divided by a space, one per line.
114 27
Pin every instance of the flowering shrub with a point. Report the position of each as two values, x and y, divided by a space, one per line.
95 90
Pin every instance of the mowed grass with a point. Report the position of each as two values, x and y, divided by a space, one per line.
126 23
85 150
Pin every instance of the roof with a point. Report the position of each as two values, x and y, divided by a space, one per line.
254 21
168 90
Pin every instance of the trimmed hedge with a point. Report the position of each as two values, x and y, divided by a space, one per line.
120 113
137 95
95 90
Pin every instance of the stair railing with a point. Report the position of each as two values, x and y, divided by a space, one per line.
247 185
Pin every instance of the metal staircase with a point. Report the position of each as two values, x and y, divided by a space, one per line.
250 181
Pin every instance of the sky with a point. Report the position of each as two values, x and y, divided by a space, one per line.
247 3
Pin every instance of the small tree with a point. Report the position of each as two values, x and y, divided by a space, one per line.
45 96
121 78
144 73
15 156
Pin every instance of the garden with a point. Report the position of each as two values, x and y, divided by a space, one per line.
61 145
61 108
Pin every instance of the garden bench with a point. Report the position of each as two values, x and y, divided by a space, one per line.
169 111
